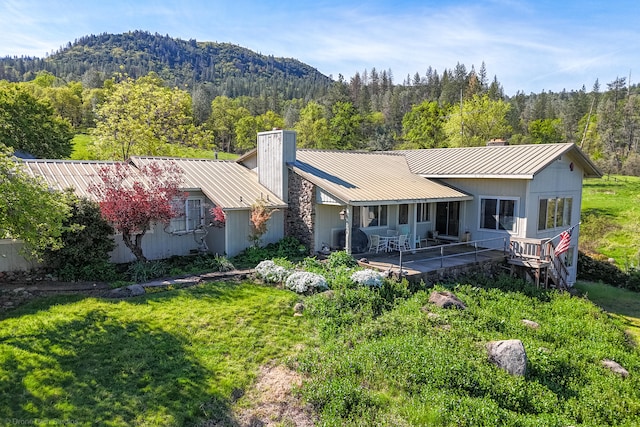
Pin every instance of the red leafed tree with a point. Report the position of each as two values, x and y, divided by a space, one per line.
132 200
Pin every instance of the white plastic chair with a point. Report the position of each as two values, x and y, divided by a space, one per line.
376 244
402 244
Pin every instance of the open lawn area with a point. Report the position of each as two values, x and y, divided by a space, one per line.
172 358
621 303
611 218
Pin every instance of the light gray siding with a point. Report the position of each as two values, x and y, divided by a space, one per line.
10 257
470 213
238 230
275 150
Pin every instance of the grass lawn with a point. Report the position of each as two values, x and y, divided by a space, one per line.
81 143
621 303
169 358
611 218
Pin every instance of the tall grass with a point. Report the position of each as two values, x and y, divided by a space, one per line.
405 367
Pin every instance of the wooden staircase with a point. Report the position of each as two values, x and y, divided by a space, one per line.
534 258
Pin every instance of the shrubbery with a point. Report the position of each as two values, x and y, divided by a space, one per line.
269 272
289 248
87 241
597 269
304 282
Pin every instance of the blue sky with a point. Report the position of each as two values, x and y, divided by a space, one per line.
530 45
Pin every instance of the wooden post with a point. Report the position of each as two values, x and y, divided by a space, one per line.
347 232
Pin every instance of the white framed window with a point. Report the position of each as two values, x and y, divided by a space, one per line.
498 213
554 212
370 216
422 212
193 217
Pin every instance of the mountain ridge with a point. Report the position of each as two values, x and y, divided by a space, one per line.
186 63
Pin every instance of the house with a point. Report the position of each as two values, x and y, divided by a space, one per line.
479 193
340 198
207 183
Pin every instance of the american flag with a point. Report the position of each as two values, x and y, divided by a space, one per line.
563 244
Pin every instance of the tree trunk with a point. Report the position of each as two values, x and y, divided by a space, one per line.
135 246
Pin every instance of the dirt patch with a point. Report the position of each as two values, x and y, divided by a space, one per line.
272 400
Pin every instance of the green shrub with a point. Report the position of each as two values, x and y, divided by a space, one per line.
140 272
597 269
289 248
341 259
87 241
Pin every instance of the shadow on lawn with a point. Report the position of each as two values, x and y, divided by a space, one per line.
102 371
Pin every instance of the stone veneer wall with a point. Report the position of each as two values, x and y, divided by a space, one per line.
299 219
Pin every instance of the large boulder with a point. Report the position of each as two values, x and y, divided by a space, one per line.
615 367
446 299
508 355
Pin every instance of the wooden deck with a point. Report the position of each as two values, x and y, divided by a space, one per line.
433 261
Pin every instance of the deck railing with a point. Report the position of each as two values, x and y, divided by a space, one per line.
453 250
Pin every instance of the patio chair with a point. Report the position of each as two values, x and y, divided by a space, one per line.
377 244
402 244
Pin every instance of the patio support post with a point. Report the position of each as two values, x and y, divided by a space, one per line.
347 231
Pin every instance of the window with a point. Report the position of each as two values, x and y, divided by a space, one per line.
554 213
498 214
403 214
372 216
422 212
193 217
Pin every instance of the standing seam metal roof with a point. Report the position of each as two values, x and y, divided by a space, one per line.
226 183
366 177
63 174
510 161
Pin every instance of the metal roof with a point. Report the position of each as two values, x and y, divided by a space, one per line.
360 178
226 183
509 161
63 174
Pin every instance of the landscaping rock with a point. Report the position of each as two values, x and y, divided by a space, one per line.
531 324
135 290
446 299
508 355
298 308
615 367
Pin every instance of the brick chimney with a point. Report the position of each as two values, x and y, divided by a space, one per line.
497 142
276 148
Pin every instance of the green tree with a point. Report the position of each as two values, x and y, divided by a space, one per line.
144 117
225 114
31 125
345 127
29 211
480 120
545 131
422 127
247 128
313 127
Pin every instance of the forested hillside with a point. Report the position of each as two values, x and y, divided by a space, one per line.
234 70
217 96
